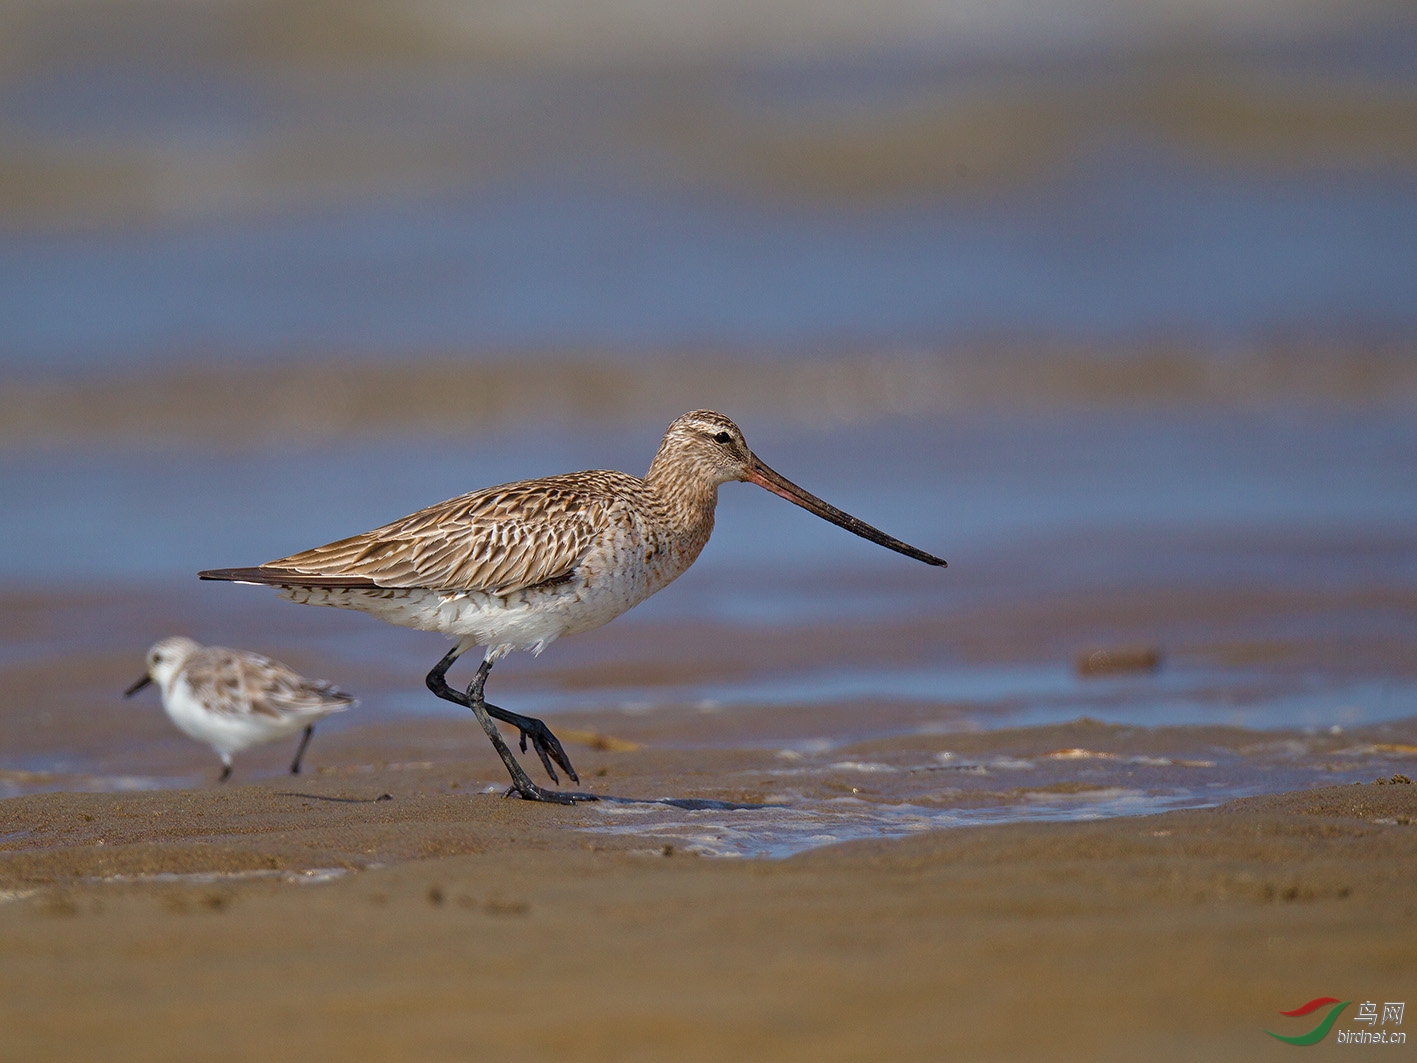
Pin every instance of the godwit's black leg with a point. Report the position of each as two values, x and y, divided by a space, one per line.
521 782
438 680
546 744
300 752
225 773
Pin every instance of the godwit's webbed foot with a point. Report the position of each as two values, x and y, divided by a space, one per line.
547 745
544 741
532 792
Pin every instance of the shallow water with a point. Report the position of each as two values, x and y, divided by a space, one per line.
1216 255
1022 695
1263 556
787 716
958 486
243 208
1124 335
795 826
819 792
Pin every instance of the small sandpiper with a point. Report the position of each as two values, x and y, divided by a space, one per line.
517 566
232 699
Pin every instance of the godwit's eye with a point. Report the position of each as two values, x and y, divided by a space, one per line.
723 437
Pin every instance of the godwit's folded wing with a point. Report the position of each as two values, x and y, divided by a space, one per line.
500 540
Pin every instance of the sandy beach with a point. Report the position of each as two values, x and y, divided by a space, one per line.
323 919
391 904
881 819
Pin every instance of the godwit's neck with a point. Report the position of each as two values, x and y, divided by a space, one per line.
688 498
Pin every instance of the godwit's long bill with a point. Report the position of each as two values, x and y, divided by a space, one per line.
517 566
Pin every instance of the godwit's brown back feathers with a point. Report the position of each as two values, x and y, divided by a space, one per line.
499 539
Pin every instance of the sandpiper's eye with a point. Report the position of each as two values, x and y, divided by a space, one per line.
723 437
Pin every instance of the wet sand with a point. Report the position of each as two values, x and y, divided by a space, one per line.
391 904
311 920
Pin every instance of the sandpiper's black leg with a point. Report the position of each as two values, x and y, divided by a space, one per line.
521 782
225 773
304 741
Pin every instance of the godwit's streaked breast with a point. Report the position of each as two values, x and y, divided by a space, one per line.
517 566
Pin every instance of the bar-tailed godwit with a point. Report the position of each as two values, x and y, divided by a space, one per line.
517 566
232 699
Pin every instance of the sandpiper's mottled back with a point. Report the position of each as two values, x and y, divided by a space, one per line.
517 566
234 699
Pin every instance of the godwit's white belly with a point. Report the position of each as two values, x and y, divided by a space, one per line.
605 584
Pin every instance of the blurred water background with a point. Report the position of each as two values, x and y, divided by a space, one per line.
1079 295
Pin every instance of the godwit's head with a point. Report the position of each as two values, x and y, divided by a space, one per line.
705 449
165 660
